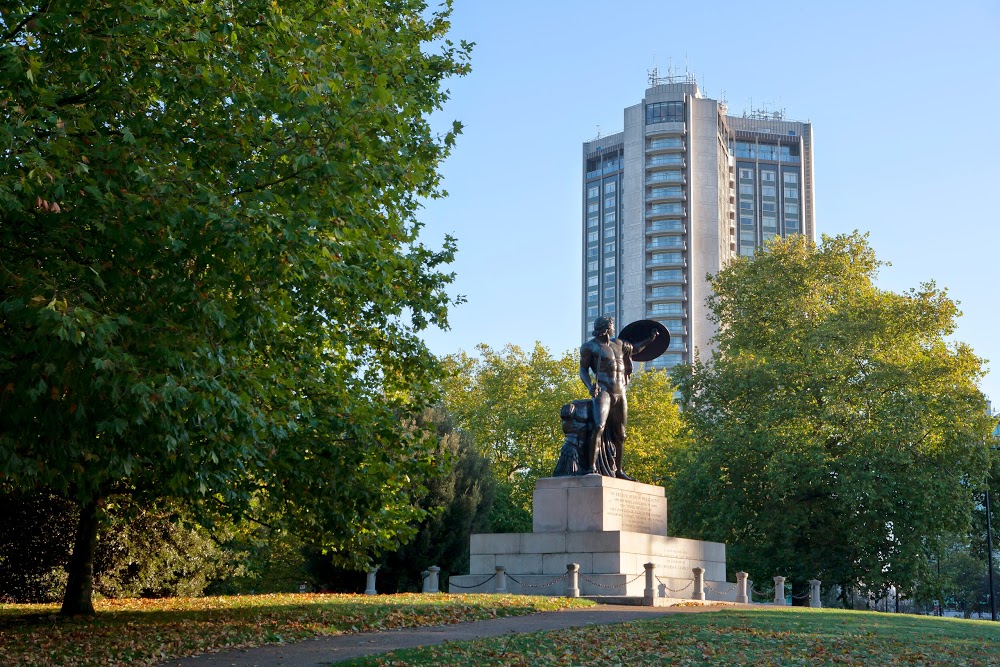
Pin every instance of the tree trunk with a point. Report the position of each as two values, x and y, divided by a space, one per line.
80 586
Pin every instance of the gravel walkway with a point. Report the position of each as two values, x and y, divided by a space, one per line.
325 650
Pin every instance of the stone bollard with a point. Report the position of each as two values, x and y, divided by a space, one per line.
649 593
779 591
370 587
741 588
425 583
814 600
501 584
699 584
573 580
432 579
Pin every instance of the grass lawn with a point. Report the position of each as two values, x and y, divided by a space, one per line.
144 632
733 636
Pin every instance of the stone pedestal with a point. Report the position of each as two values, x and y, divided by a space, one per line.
611 528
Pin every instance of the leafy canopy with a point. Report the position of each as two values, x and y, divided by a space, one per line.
837 433
212 282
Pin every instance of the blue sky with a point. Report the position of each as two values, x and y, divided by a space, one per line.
902 97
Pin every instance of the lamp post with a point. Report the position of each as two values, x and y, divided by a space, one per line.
989 555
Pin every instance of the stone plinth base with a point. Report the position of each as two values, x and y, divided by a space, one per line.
598 503
611 528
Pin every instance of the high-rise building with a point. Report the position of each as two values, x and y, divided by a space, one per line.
674 196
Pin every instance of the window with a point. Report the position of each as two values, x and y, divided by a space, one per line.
746 189
609 307
767 190
792 209
666 158
746 205
746 174
592 281
769 207
791 177
609 246
746 236
673 325
767 176
591 237
593 191
769 222
746 220
609 293
592 251
609 232
591 267
667 258
791 193
668 291
591 311
666 142
609 203
608 187
665 177
668 274
667 226
667 242
591 296
667 308
609 262
592 221
665 112
609 216
592 207
609 278
676 343
661 209
671 191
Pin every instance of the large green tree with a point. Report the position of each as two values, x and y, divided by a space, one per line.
509 401
211 281
838 431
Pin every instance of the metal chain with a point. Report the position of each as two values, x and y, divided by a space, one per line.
766 594
585 578
803 596
725 592
674 590
521 583
474 586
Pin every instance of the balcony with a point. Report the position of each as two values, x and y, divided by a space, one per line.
666 226
662 310
665 160
672 176
665 210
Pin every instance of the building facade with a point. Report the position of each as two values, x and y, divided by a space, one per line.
673 197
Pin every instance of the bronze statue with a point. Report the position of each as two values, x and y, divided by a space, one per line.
609 359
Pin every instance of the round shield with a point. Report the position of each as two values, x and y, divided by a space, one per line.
641 330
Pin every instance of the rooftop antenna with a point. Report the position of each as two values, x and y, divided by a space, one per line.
653 75
598 132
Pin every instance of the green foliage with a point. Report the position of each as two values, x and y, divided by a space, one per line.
213 284
148 552
458 503
35 537
656 432
837 434
509 401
